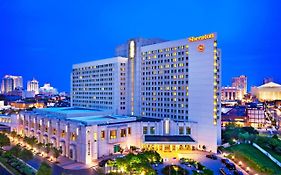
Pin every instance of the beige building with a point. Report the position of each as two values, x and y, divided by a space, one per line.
267 92
231 93
240 83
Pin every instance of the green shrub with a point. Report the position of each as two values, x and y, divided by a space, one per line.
174 170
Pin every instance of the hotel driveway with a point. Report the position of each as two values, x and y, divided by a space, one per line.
200 156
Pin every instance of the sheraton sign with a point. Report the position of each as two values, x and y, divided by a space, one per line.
200 38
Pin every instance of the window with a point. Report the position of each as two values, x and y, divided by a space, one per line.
144 131
62 133
188 130
129 131
102 135
73 136
181 130
123 133
113 134
95 136
152 130
54 131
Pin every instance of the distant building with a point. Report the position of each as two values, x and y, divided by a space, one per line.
256 117
234 115
26 105
28 94
267 80
7 85
48 90
240 83
2 104
10 83
231 94
33 85
267 92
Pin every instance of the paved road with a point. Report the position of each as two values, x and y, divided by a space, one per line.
57 170
199 156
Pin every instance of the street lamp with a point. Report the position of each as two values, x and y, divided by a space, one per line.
240 163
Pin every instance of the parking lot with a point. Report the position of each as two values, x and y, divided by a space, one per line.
200 156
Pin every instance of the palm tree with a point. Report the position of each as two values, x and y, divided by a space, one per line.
13 134
56 152
4 140
39 146
48 148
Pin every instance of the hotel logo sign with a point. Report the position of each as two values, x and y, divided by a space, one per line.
200 38
201 48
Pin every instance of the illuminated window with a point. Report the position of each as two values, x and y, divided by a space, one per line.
129 131
123 132
113 134
73 137
62 133
188 130
181 130
144 130
102 135
95 136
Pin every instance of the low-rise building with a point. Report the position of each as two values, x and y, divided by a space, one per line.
268 92
256 117
234 115
26 105
86 135
231 94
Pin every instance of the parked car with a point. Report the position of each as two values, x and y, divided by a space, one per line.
212 156
230 166
225 161
225 171
103 162
237 172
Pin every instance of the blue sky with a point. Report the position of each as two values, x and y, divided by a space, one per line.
42 39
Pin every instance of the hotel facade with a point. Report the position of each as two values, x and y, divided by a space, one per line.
155 94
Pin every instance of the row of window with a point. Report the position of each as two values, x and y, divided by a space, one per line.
95 67
147 61
113 133
165 50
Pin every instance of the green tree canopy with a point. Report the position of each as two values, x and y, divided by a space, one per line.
4 140
26 155
44 169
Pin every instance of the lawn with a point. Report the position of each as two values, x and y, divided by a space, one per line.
271 152
254 159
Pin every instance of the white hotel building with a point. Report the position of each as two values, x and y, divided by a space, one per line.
155 94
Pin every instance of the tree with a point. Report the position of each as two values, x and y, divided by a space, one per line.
15 150
55 152
48 148
13 134
26 155
44 169
4 140
39 146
